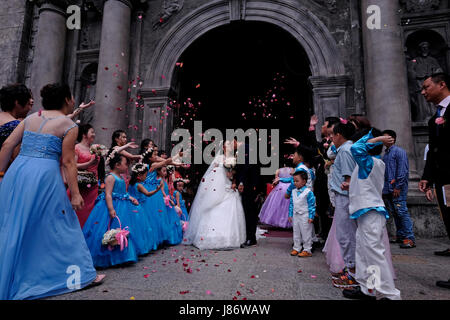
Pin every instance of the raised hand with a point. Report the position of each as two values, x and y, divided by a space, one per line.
292 141
86 105
314 120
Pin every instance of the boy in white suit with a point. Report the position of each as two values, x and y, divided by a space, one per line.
302 210
367 208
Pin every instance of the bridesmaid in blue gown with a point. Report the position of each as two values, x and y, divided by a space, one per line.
113 209
42 248
178 199
175 232
144 217
155 205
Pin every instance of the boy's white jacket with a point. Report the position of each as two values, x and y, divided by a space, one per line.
367 193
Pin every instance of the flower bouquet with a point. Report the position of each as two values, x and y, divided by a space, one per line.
229 162
99 150
116 237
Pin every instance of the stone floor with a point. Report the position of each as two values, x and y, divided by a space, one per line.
264 272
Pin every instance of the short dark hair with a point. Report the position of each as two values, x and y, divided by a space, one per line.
286 160
360 121
11 93
82 130
54 95
116 134
303 174
347 130
306 152
390 133
175 183
438 77
332 121
144 145
116 159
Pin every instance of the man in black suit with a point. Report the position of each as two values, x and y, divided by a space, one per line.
248 184
437 168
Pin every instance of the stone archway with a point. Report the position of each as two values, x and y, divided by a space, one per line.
328 79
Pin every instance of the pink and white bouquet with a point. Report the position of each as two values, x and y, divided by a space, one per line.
99 150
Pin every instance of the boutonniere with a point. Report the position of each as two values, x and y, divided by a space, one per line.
440 121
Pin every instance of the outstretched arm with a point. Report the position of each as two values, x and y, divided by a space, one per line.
80 108
143 190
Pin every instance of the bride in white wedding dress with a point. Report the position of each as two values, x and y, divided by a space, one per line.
217 219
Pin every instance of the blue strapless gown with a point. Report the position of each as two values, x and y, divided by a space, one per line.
156 208
146 221
41 243
97 224
184 215
175 232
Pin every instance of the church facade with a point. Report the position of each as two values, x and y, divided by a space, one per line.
361 56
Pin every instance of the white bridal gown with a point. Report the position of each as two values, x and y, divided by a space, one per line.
217 219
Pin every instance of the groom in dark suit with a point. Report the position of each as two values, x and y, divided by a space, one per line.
437 167
247 181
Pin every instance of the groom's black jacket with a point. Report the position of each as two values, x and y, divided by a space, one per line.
249 175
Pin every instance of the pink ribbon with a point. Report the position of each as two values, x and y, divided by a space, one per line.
167 201
121 237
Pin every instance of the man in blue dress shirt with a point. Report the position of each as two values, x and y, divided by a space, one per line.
395 191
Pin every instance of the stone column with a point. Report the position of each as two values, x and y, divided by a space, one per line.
386 80
48 60
112 77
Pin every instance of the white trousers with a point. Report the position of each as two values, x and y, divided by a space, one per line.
372 269
302 231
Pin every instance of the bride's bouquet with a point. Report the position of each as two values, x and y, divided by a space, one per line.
99 150
229 162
